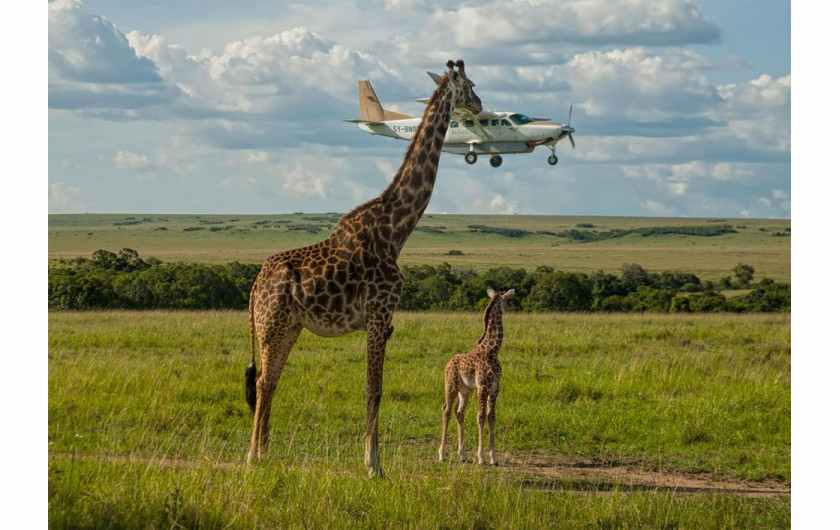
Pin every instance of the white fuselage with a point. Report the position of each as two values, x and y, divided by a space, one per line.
497 134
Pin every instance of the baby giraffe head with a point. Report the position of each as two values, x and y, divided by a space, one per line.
503 298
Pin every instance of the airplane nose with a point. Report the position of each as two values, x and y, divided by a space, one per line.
564 130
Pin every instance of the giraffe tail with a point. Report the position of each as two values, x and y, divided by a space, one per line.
251 370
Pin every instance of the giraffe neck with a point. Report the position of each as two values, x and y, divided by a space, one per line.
409 193
491 339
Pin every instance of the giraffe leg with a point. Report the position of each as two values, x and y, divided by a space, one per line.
491 423
460 413
450 390
377 332
274 351
482 413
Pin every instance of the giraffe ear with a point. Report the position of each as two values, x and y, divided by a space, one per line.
491 293
509 294
436 78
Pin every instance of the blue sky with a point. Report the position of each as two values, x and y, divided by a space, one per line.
683 108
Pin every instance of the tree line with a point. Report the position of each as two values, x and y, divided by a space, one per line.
123 280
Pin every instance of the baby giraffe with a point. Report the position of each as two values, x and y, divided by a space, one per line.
480 369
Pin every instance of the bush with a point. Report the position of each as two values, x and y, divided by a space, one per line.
126 281
708 301
560 291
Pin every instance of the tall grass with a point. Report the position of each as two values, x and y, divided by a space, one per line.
148 425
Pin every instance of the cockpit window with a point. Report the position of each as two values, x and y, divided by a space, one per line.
520 119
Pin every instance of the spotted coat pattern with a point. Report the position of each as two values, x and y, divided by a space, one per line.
350 281
477 369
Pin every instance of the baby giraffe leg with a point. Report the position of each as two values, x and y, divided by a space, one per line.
450 390
482 413
463 397
491 423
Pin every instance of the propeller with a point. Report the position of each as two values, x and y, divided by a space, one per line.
569 129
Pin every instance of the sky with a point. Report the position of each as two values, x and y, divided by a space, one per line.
682 108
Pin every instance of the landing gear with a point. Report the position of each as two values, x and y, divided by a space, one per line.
495 160
470 157
552 159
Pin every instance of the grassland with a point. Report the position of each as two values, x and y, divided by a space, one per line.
148 425
763 243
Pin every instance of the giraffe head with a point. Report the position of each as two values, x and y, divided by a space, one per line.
461 88
502 298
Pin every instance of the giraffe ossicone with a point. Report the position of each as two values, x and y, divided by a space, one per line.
477 369
350 281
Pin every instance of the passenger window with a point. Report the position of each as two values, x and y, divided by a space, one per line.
469 123
506 123
453 124
494 123
483 123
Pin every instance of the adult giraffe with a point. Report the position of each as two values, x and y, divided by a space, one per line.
350 281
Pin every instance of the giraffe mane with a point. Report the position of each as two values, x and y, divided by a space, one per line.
444 81
493 302
436 95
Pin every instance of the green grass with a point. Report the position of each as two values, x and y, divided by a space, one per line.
148 426
763 243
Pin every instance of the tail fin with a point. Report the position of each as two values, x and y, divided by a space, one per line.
369 107
251 370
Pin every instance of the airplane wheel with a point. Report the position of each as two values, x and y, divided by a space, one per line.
495 161
470 157
552 160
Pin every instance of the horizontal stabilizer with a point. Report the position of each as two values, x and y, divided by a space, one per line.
366 122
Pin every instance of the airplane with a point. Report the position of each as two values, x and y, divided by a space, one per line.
487 133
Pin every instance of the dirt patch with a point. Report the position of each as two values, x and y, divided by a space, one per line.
548 472
553 472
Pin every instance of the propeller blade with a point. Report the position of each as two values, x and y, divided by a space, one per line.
569 123
572 140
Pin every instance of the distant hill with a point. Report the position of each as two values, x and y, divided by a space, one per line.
709 248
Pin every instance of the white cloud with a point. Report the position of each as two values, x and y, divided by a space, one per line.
67 199
302 182
129 160
91 64
255 157
758 112
387 169
261 74
637 84
586 22
501 204
657 208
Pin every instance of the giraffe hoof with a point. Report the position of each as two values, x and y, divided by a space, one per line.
376 473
